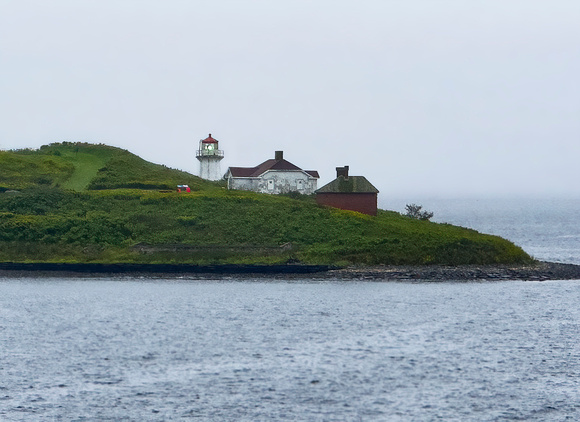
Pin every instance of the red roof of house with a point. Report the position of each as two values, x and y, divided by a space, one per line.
271 164
209 140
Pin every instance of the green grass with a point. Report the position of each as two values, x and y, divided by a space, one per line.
80 166
130 171
226 227
86 168
86 164
20 171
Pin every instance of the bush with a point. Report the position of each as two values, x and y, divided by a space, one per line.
414 211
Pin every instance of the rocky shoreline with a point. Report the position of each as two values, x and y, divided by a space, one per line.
539 271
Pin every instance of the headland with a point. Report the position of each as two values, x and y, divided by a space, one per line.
94 208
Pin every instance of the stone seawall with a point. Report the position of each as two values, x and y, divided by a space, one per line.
160 268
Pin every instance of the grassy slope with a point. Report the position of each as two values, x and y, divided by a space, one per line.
80 166
101 226
20 171
86 167
52 224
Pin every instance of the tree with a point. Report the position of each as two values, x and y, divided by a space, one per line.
414 211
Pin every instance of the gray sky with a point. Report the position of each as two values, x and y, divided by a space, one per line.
437 98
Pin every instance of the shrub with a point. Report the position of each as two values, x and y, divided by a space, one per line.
414 211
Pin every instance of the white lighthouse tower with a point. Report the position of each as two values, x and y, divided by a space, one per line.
209 156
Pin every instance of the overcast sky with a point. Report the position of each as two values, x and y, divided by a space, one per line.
423 97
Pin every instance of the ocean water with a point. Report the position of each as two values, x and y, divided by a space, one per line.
75 350
235 349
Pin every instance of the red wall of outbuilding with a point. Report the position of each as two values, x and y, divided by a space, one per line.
365 203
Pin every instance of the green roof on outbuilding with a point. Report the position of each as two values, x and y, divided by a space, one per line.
352 184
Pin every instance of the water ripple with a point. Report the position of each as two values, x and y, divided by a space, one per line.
137 350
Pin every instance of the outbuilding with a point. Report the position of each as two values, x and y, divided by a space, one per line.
346 192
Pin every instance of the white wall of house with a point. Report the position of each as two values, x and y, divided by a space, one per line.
276 182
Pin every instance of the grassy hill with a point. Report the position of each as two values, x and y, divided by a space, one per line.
74 206
79 166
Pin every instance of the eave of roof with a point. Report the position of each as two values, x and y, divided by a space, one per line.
241 171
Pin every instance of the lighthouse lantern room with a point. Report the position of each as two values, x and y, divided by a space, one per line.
209 156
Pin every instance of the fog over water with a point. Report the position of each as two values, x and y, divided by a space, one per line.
422 97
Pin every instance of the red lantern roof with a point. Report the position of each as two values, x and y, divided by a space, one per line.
209 140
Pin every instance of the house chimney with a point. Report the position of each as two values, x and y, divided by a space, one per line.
279 155
342 171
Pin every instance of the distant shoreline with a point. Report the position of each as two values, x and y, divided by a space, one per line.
539 271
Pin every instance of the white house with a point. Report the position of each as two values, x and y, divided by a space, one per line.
273 176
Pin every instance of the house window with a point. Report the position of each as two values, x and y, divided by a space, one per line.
300 184
270 185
